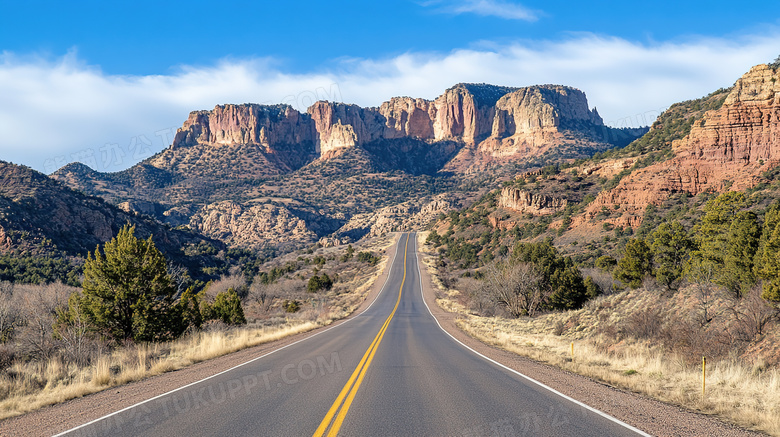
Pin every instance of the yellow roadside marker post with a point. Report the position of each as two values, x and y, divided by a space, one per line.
703 375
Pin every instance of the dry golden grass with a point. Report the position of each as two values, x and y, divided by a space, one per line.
35 385
743 394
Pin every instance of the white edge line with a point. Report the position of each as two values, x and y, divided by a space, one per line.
570 399
389 271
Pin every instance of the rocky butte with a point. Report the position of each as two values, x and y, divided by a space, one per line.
501 122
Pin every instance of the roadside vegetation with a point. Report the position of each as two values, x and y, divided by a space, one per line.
135 315
691 286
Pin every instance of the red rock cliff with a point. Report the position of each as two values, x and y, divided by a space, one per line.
730 146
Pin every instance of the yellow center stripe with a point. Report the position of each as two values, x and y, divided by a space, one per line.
353 384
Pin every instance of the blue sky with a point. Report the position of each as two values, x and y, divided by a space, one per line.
107 83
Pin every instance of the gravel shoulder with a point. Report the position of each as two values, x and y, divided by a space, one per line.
649 415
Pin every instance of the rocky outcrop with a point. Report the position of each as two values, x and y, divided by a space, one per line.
606 169
251 226
260 125
407 216
5 240
541 108
408 117
743 133
728 148
532 120
340 126
139 207
524 202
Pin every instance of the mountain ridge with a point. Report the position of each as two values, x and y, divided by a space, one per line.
252 154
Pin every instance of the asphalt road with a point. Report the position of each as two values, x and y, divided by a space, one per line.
389 371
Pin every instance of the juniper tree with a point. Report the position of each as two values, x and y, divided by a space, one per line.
127 292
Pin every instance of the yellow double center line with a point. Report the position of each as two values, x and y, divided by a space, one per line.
340 407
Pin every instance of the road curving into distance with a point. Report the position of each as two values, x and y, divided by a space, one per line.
389 371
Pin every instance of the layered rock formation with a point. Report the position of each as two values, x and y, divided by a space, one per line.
524 202
251 153
245 124
730 147
508 121
534 118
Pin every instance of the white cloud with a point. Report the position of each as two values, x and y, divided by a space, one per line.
485 8
53 112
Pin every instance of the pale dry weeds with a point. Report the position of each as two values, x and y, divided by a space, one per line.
30 386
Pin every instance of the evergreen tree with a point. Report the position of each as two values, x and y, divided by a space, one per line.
127 293
635 264
189 309
317 283
671 247
742 243
712 232
767 259
592 288
227 307
562 280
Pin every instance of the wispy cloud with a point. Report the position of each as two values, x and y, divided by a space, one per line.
485 8
58 110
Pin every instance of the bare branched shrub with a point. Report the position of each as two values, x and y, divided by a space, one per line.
10 312
643 324
39 305
289 288
752 316
516 287
261 295
479 301
77 344
708 296
604 280
237 282
650 284
179 276
446 280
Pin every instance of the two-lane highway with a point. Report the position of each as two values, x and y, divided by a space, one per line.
389 371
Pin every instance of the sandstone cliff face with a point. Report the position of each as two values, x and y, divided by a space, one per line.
532 120
730 146
524 202
541 108
745 131
508 121
138 207
408 117
259 125
251 226
5 241
340 126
